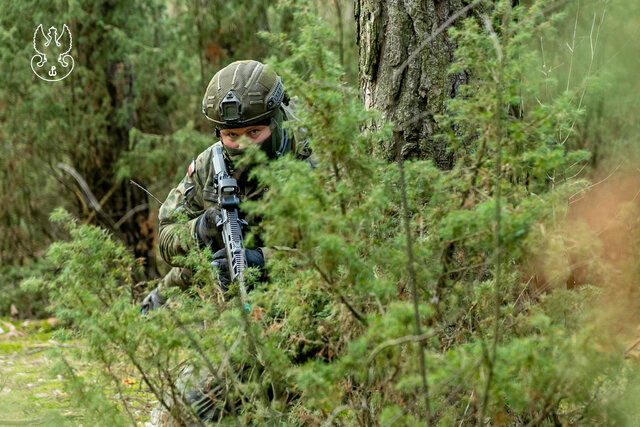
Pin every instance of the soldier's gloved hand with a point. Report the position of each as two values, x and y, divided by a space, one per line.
152 301
254 258
220 262
206 228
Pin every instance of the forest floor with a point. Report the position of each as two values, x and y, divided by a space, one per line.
31 394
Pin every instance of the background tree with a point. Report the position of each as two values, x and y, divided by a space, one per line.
404 59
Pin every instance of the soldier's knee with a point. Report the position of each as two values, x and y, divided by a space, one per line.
177 277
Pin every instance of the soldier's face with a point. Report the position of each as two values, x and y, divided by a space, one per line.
242 137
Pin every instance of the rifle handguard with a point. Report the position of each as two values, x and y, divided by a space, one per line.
229 222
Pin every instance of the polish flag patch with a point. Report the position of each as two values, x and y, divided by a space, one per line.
192 168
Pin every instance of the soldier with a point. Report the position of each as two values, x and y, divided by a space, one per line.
247 104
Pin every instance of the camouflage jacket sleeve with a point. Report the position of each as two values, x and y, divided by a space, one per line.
180 211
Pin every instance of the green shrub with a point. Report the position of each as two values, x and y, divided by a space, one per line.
332 334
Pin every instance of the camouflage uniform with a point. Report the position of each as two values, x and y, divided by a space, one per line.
194 195
245 93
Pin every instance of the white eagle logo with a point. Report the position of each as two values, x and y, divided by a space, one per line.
47 47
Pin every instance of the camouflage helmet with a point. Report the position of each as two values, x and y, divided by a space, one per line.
243 93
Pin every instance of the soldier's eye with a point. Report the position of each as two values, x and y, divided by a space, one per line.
254 132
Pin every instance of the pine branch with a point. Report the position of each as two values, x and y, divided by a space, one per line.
412 275
499 45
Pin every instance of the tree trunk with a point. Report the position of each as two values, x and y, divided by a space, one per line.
126 210
410 92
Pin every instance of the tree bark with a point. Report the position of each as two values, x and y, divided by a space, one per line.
411 96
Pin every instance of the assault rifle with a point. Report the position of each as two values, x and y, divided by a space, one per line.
229 223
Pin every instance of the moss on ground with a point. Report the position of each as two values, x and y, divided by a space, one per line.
30 394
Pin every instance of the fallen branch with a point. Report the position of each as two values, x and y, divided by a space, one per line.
12 330
88 194
631 347
130 213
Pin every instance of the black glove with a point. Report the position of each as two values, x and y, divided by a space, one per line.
151 302
254 258
206 228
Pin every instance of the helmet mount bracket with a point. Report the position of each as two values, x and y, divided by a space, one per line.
230 108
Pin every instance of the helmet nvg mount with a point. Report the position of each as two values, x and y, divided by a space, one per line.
243 93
